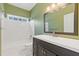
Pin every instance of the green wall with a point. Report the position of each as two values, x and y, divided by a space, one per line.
37 14
10 9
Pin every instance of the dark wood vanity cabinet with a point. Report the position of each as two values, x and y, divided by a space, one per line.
42 48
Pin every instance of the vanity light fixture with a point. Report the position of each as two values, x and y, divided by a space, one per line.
55 7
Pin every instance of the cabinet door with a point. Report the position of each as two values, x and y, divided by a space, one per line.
34 47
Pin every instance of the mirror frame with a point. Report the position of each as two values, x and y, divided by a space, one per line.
75 23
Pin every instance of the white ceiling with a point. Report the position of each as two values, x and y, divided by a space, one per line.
27 6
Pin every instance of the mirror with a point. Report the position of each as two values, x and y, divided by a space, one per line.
62 21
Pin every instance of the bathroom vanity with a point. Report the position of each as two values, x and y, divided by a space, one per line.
45 45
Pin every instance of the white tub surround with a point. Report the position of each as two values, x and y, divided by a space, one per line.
67 43
16 36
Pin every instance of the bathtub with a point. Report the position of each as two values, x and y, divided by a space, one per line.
17 49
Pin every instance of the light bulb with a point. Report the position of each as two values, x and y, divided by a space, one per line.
54 7
48 9
61 5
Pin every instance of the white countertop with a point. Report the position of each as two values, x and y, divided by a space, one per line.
68 43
